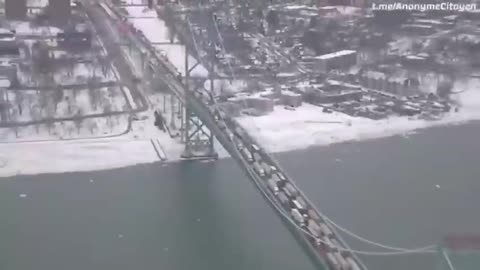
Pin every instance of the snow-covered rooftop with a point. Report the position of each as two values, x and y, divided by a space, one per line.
335 54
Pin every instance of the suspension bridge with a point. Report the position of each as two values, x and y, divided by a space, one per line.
203 123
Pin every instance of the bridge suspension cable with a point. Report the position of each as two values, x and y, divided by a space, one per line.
360 252
356 236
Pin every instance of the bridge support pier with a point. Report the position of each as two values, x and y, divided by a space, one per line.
198 139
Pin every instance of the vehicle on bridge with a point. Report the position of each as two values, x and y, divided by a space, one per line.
298 217
291 192
247 155
272 185
258 169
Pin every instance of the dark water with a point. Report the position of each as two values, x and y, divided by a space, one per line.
209 216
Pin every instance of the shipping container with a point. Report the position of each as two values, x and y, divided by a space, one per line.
290 191
258 169
282 197
352 264
272 186
247 155
332 261
298 217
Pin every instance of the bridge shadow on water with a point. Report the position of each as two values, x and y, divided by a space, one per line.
181 216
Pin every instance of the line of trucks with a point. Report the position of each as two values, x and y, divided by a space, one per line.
320 234
307 218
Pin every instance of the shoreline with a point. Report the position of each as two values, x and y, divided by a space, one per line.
102 154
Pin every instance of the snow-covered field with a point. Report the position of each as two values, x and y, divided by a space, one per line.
77 73
67 130
156 31
282 130
132 148
286 130
32 105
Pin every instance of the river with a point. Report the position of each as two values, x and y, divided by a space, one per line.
209 216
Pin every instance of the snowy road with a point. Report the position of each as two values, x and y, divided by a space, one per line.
107 35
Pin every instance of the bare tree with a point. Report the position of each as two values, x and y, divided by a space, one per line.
50 126
58 96
20 99
15 129
110 123
92 126
93 93
78 120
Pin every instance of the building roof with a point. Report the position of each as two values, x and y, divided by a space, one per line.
335 54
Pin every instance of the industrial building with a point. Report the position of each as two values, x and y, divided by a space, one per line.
337 60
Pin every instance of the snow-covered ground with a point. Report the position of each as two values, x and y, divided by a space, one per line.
132 148
32 105
286 130
282 130
67 130
26 28
156 31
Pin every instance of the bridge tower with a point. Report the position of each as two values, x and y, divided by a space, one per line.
198 139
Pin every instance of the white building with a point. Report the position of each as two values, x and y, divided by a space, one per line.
337 60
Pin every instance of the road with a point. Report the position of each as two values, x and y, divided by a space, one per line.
60 119
108 38
75 86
